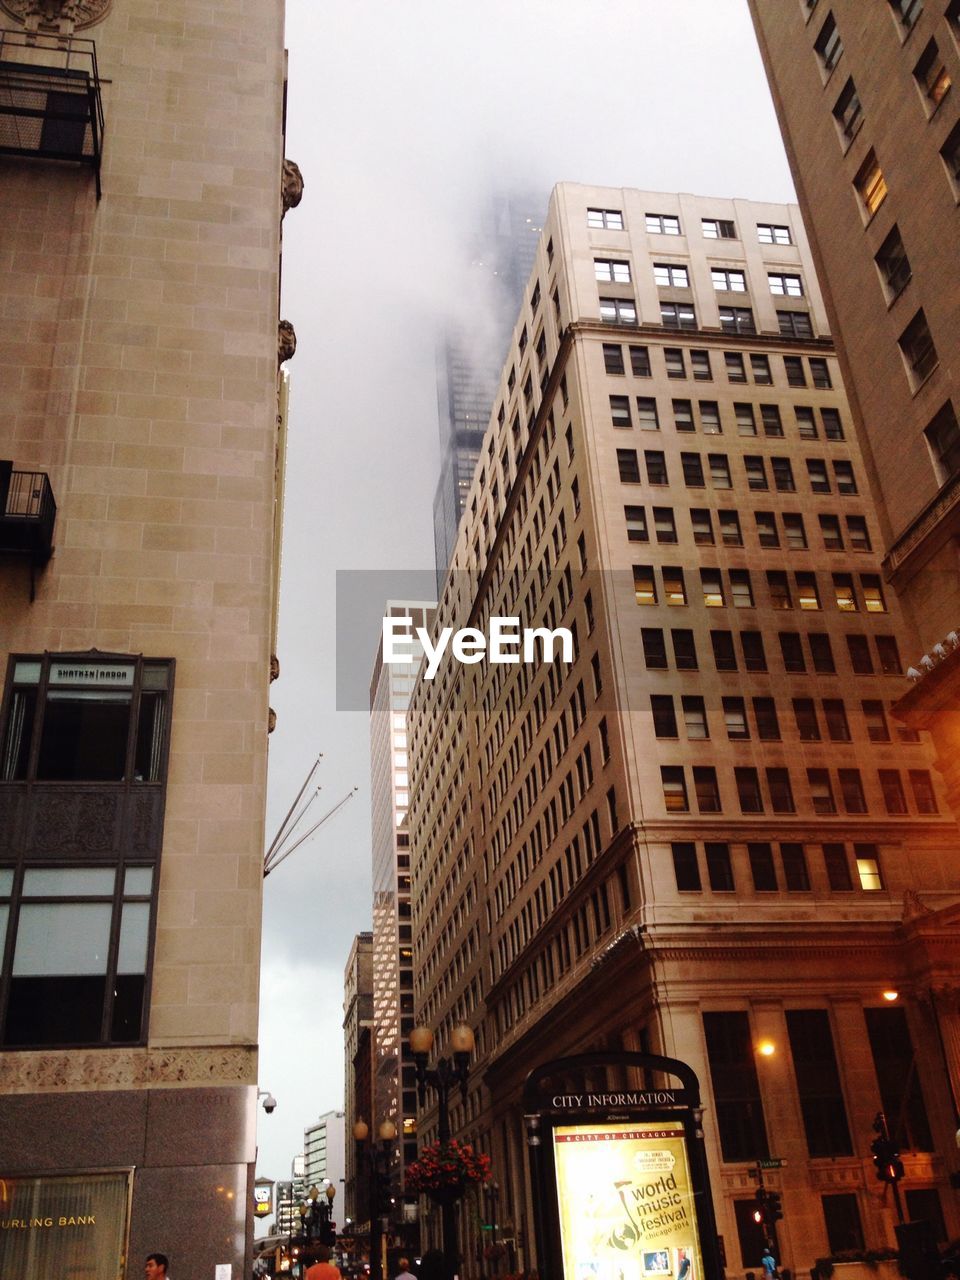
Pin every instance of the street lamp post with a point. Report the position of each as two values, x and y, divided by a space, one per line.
441 1078
376 1157
316 1219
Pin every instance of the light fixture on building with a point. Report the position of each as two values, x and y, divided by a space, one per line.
891 995
766 1048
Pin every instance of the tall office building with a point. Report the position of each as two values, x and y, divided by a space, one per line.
394 1087
704 832
873 134
290 1196
324 1155
470 355
357 1061
140 198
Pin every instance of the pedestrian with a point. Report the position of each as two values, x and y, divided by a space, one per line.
404 1273
768 1262
156 1266
323 1268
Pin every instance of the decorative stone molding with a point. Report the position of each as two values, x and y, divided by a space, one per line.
62 17
271 720
74 1071
274 667
291 186
286 341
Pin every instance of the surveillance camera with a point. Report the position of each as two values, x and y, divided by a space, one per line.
269 1104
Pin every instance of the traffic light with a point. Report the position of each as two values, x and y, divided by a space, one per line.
886 1160
329 1234
774 1207
760 1212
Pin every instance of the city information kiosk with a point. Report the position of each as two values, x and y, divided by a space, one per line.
620 1182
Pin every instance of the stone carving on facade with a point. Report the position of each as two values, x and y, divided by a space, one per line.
60 17
286 341
291 186
913 907
69 822
69 1070
271 720
274 667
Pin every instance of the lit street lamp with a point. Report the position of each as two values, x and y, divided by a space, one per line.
377 1157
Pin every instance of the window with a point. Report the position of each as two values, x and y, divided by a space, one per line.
737 320
756 472
932 76
821 791
692 465
793 528
702 526
868 868
782 475
736 369
769 233
644 584
950 154
907 11
711 583
707 790
735 719
765 714
818 1083
636 518
844 593
609 269
613 357
654 649
762 869
677 315
719 868
872 589
794 862
779 587
860 658
891 787
889 655
916 344
848 111
700 365
746 423
728 280
748 790
605 219
870 185
685 866
841 1216
791 650
684 650
923 793
835 714
656 465
843 474
808 597
828 45
820 373
736 1090
784 285
832 535
766 529
806 422
781 793
805 713
718 229
647 418
837 868
719 471
664 224
674 589
770 417
620 411
876 720
730 534
795 324
817 473
821 652
673 357
663 524
724 654
666 275
943 437
683 415
741 592
695 720
640 362
857 533
832 426
710 418
674 789
851 789
629 466
618 311
894 1060
893 264
793 367
664 716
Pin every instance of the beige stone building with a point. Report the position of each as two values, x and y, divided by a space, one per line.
872 129
141 150
357 1057
705 833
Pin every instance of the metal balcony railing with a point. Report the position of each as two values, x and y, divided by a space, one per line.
50 103
27 513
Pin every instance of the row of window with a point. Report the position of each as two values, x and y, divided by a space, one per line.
731 533
675 366
780 796
716 589
753 653
812 721
668 224
681 315
711 421
718 466
670 275
788 868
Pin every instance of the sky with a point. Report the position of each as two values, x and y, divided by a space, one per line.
404 115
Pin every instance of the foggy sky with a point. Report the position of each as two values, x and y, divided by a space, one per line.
403 115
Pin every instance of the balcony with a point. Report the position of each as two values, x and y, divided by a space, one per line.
27 513
50 104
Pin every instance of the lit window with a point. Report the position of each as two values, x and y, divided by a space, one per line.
844 593
807 595
674 589
932 76
870 184
605 219
712 585
607 269
664 224
728 280
868 871
770 233
674 789
872 589
667 275
644 584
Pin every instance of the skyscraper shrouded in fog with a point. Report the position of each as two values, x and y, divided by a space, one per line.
706 832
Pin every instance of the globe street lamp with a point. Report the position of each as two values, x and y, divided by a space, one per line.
316 1222
376 1157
